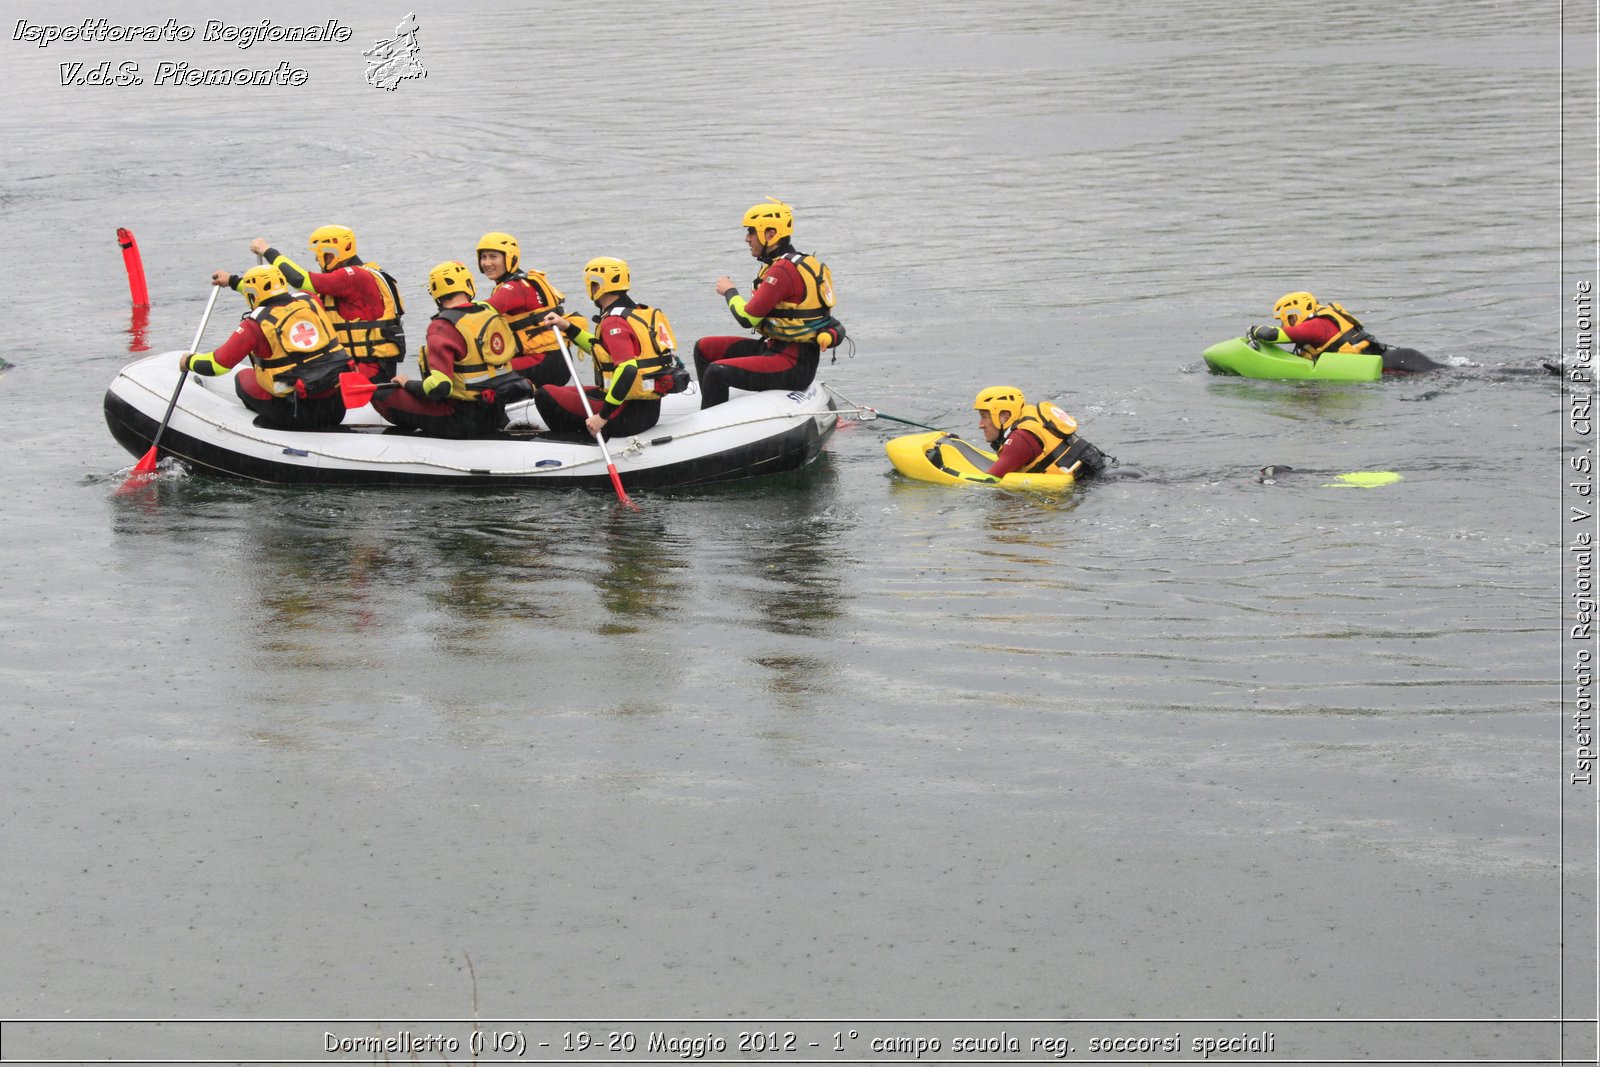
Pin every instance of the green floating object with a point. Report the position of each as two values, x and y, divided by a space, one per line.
1363 480
1261 359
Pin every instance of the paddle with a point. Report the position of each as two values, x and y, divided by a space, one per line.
147 465
356 389
599 437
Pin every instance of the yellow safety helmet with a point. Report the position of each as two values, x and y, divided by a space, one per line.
261 283
332 245
1000 400
506 245
773 215
603 275
1293 308
451 276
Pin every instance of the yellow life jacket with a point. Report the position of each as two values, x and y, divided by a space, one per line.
650 326
1055 429
800 321
1352 337
300 333
369 339
533 337
490 344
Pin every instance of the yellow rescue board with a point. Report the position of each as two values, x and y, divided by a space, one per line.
945 459
1363 480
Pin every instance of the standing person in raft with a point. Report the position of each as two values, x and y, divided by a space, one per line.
291 345
525 297
361 298
466 365
1033 438
1315 328
791 309
632 346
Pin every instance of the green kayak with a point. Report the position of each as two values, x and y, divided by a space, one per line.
1261 359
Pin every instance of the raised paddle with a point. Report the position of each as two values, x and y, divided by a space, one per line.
147 465
599 437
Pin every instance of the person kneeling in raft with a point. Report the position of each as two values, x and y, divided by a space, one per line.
295 357
1315 328
1032 438
465 365
632 347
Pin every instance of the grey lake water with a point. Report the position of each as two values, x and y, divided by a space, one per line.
882 765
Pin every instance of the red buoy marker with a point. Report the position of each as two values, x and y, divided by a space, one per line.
135 267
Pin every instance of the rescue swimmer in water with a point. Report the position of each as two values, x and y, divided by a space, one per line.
1036 446
1314 328
1033 438
1272 474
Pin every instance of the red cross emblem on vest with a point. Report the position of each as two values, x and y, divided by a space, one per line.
304 335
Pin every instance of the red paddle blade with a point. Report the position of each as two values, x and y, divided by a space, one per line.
616 480
355 389
143 473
